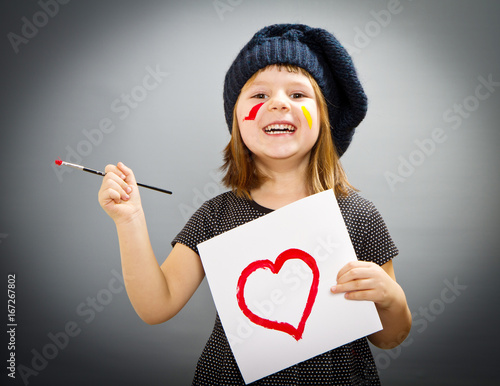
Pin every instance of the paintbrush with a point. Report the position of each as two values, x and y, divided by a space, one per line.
88 170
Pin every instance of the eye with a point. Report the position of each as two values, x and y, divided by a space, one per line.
297 95
260 96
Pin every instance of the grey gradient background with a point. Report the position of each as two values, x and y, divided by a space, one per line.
63 248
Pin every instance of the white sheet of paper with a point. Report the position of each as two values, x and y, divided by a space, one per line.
315 226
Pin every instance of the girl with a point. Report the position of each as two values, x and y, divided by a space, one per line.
292 100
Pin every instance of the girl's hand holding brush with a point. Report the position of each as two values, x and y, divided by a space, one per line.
119 194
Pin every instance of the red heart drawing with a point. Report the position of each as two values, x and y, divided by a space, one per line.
275 268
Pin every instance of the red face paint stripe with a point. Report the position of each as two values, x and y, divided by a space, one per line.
253 112
295 332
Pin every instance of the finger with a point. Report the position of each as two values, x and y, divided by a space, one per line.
116 184
352 265
112 181
114 169
361 295
358 270
113 196
353 285
129 174
354 274
108 194
111 176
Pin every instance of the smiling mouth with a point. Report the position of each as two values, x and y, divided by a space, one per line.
280 129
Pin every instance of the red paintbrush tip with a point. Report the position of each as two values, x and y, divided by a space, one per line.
58 162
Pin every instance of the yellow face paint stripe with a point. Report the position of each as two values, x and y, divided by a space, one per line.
308 116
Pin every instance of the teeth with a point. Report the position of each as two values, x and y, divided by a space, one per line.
279 129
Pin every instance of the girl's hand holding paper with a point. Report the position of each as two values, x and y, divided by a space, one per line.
363 280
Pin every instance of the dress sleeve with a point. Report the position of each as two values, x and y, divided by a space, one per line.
198 229
377 245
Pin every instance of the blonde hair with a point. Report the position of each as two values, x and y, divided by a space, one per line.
324 170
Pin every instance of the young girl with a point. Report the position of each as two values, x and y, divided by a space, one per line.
292 100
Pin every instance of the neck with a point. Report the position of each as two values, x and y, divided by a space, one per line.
285 184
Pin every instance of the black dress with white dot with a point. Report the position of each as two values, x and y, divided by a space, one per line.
351 364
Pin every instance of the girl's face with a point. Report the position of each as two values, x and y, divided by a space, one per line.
286 124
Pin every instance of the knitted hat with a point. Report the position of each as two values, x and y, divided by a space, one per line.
318 52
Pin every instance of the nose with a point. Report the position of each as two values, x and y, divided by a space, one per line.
279 102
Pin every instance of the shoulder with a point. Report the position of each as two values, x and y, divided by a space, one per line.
224 202
226 211
356 207
367 229
213 217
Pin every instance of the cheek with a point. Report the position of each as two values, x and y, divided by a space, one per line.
247 134
310 114
247 112
238 114
253 112
307 114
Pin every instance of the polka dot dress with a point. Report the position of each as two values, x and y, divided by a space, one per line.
351 364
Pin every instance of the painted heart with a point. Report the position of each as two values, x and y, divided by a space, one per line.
289 254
